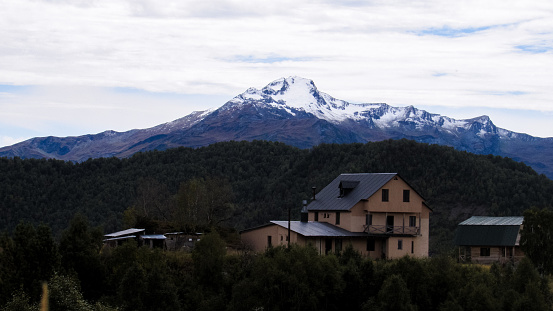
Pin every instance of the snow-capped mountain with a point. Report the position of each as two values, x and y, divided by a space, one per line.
298 95
292 110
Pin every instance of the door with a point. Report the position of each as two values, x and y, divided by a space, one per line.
328 246
390 224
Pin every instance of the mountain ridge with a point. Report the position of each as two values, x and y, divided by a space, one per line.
292 110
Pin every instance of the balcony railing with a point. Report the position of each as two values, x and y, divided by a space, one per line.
392 230
486 260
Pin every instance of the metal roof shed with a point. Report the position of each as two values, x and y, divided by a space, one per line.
489 231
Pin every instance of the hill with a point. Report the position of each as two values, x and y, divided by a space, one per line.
263 179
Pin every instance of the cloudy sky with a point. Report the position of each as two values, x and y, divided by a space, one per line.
73 67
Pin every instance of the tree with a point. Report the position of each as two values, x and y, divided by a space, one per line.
65 295
36 255
208 256
151 207
537 238
394 295
80 253
8 267
203 203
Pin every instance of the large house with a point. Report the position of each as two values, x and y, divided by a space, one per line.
379 214
485 240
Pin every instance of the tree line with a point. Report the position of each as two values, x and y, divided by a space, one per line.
245 184
83 275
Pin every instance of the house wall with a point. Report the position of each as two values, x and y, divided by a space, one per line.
497 254
400 211
358 243
410 247
395 202
256 239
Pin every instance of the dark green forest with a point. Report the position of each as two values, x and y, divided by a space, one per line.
245 184
53 215
83 276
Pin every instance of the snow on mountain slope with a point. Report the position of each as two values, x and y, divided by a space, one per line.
295 94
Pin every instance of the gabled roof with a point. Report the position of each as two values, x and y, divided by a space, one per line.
130 231
489 231
317 229
493 221
365 185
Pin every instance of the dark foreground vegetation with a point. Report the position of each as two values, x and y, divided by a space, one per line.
245 184
81 275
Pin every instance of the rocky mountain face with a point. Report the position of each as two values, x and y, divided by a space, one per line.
292 110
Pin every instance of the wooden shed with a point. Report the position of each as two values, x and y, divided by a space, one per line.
485 240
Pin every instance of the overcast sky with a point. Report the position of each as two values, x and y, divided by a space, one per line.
74 67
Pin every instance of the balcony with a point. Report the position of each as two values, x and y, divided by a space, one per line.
392 230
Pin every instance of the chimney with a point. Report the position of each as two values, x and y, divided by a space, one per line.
314 190
304 213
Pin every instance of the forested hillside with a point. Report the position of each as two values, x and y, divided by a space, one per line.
244 184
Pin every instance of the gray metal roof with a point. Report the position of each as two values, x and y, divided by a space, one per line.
317 229
328 199
493 221
124 232
153 237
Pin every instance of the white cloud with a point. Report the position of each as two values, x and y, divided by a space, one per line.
8 141
434 53
53 110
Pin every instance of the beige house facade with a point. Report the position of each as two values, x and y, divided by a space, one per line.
379 214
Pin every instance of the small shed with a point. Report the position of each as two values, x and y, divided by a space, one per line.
484 239
181 240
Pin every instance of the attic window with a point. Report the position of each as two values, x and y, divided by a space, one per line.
346 186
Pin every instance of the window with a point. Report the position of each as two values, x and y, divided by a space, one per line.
369 219
269 242
337 218
412 221
338 245
406 194
485 251
385 195
281 238
399 244
370 245
316 216
412 247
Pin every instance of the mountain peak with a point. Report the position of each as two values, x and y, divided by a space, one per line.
292 83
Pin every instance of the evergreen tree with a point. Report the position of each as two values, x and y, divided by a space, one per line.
80 253
537 238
